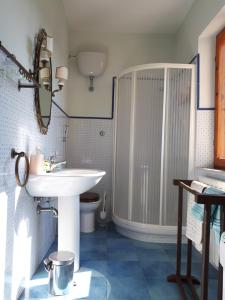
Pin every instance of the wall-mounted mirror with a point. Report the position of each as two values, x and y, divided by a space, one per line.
43 75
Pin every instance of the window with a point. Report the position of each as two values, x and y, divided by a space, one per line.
219 156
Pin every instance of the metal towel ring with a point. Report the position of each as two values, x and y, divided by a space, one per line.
19 156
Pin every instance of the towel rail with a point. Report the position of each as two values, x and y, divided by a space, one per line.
207 200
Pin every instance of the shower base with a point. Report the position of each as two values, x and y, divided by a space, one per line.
146 232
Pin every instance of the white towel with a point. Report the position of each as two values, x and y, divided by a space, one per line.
194 226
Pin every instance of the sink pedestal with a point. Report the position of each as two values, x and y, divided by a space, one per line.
69 226
67 185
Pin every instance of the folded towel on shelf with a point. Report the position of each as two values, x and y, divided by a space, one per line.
215 209
195 214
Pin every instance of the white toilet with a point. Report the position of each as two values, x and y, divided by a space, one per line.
89 202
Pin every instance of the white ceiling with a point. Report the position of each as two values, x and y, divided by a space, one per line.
127 16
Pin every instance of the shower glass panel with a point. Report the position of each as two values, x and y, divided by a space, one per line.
123 145
147 146
176 150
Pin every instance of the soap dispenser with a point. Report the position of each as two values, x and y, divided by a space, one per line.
37 162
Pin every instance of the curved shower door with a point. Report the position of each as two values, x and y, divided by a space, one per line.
122 164
176 139
147 145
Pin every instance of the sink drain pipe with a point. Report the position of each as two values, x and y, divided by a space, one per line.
47 209
41 209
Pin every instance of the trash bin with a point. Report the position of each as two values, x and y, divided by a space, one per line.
60 267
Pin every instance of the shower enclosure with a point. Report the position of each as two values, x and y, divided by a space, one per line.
153 144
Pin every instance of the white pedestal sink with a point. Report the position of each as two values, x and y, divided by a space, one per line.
67 185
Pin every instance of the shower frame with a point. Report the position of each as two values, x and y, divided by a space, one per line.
137 230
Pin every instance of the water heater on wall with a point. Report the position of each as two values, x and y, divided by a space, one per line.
91 64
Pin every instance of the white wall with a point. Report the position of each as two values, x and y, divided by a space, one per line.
197 35
123 51
25 236
207 51
200 15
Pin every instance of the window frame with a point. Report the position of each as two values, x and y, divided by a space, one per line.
219 162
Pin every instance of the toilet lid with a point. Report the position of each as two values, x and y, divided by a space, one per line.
89 197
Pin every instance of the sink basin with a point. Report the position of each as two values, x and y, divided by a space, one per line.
65 182
67 185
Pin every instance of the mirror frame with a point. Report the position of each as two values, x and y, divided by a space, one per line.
42 35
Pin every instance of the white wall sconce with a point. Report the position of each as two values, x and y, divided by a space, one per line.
91 64
43 67
61 75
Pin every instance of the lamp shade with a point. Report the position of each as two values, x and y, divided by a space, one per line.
61 73
91 64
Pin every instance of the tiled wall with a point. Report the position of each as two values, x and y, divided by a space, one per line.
86 148
25 236
204 138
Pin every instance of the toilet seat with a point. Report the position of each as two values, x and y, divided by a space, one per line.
89 197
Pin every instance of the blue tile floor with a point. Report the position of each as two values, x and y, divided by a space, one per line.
117 268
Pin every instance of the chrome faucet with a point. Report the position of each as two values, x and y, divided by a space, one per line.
55 164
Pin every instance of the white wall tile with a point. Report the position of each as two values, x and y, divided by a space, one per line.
205 138
25 236
87 149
